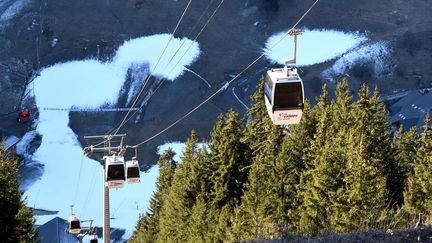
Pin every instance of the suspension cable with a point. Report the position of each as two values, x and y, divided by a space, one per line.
230 81
154 68
190 45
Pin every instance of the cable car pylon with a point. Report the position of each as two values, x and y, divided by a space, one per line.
115 169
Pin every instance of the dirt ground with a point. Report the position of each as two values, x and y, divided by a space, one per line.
231 41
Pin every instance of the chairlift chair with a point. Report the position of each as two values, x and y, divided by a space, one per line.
93 238
115 171
132 171
23 116
284 95
74 224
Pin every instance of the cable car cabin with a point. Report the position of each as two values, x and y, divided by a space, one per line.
284 95
23 117
93 238
115 171
132 171
74 225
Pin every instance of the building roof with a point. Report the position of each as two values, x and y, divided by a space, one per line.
411 110
9 139
54 231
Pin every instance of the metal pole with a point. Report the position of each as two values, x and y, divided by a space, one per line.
295 48
106 209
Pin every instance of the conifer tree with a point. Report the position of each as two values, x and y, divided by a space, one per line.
404 149
418 196
259 123
148 225
290 165
318 182
16 219
258 214
178 204
201 221
365 192
369 148
230 160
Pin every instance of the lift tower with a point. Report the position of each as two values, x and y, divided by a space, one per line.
107 145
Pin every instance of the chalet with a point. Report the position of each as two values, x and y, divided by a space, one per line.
411 109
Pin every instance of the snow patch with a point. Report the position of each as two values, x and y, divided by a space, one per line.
22 147
138 75
314 46
69 177
178 54
177 147
14 9
376 54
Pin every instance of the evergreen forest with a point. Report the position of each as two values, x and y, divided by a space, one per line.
16 219
342 169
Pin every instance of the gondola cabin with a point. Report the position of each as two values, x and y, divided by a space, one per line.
284 95
132 171
93 238
74 225
114 171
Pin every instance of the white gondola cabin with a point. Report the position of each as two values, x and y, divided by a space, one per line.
284 95
114 171
74 225
132 171
93 238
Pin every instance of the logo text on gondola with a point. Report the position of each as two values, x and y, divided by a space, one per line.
286 116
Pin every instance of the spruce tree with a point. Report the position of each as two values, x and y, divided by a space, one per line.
201 221
16 219
148 225
364 201
404 149
318 182
230 160
260 209
418 195
258 122
364 195
180 199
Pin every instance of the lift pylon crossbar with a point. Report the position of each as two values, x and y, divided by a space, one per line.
105 144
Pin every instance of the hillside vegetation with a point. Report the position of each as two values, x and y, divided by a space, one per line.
341 170
16 219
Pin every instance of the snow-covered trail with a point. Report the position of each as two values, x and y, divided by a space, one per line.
69 177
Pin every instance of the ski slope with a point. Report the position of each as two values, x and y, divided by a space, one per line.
69 177
314 46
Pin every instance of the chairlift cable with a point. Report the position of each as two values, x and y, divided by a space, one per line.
154 68
190 45
126 118
79 178
230 81
198 35
190 32
90 190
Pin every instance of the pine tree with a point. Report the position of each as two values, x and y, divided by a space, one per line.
404 149
340 125
318 183
365 193
201 221
16 219
258 214
230 160
418 195
148 225
369 165
179 202
290 165
259 122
